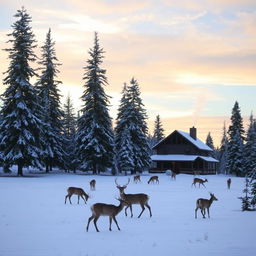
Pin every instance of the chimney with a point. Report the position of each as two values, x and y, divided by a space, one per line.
192 132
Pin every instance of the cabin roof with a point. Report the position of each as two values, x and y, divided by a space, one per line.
182 158
198 143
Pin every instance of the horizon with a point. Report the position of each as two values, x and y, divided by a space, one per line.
192 61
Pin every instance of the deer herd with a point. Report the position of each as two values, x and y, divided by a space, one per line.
128 200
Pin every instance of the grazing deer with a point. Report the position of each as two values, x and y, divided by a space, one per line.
228 183
92 184
204 204
199 181
100 209
141 199
136 179
76 191
153 179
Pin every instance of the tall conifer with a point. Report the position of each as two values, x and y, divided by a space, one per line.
158 130
95 138
235 143
49 98
21 126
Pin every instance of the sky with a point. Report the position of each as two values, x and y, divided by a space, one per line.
192 59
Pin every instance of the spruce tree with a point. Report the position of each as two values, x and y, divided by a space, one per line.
235 144
95 138
246 198
250 147
122 134
158 130
125 152
235 163
49 98
223 151
131 119
138 128
21 126
69 128
236 122
209 141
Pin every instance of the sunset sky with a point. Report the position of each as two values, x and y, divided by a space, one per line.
192 59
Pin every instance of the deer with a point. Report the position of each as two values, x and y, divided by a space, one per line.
173 175
228 183
136 179
199 181
76 191
92 184
141 199
153 179
203 204
101 209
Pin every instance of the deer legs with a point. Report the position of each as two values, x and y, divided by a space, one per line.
95 219
129 206
143 208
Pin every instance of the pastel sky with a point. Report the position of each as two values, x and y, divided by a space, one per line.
192 59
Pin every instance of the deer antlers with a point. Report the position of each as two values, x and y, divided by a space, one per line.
123 185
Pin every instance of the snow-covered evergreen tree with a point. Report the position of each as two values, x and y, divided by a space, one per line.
250 147
21 126
49 98
223 151
246 198
235 144
209 141
69 128
236 122
235 160
132 116
138 128
125 153
158 133
122 124
95 137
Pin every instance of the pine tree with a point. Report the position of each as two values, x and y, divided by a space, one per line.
95 138
122 127
209 141
253 193
21 126
250 147
125 152
235 144
69 128
49 98
132 117
236 122
235 163
138 128
158 130
246 199
223 151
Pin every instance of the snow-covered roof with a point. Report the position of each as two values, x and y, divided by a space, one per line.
198 143
182 158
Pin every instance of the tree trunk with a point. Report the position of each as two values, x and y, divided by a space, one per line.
47 168
20 171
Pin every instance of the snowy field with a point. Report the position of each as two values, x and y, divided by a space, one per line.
34 221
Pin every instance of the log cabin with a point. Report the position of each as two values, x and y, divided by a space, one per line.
183 152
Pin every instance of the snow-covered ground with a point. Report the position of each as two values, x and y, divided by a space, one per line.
34 221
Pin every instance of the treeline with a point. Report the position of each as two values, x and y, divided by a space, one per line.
36 131
237 151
